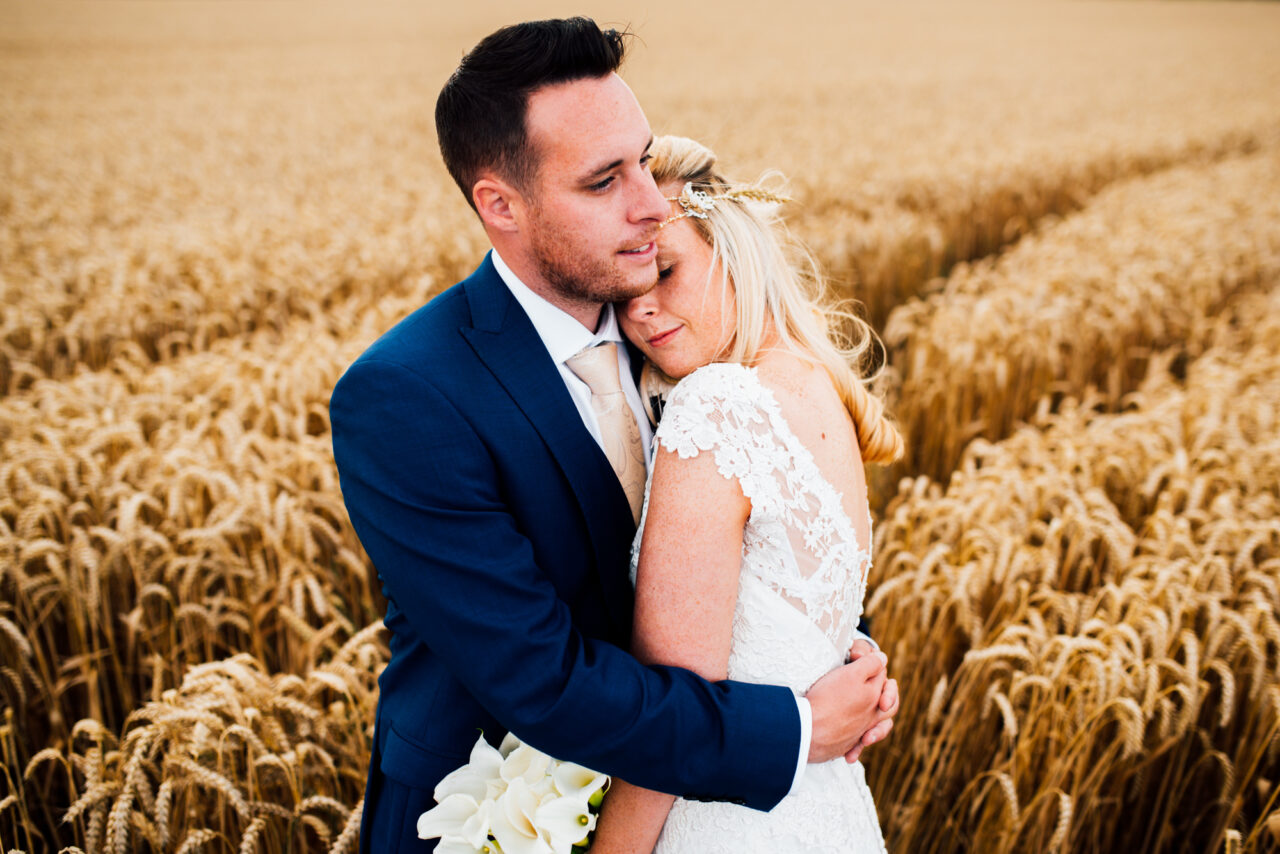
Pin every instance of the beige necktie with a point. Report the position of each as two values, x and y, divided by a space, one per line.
598 368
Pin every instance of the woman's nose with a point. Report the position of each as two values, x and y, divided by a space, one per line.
642 307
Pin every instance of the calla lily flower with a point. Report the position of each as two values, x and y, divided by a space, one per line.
574 781
453 846
480 777
512 822
526 763
567 821
475 830
448 818
514 800
545 789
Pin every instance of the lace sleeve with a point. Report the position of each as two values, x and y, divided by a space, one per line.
718 409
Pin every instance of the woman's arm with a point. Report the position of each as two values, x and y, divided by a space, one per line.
686 590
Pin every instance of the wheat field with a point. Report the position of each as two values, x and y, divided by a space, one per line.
1063 218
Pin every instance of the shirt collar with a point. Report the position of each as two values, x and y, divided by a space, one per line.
560 332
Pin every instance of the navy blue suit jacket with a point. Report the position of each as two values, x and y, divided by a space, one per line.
501 537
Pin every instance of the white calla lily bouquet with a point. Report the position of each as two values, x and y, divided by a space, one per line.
514 800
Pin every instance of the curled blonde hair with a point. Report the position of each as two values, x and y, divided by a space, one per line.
778 287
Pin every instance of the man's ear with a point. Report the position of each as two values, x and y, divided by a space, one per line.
499 204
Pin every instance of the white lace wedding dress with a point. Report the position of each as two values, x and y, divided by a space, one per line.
799 602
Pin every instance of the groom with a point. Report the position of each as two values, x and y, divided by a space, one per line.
472 467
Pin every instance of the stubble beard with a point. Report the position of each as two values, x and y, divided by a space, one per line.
582 279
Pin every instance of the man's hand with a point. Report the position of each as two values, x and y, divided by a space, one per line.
846 704
888 704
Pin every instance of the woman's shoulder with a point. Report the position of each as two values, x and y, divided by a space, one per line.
780 375
717 381
716 405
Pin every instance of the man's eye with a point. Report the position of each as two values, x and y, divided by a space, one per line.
601 185
645 161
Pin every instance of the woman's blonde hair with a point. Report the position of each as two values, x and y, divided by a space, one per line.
777 284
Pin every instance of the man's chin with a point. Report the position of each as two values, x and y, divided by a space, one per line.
622 288
633 291
637 282
618 283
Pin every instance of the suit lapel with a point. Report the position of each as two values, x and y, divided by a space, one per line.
504 339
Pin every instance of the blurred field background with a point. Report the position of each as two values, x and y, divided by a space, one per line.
1064 218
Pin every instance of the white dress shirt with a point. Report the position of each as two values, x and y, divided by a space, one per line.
564 337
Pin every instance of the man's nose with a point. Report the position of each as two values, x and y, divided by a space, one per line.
649 204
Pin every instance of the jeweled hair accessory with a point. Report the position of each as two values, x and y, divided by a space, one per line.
698 203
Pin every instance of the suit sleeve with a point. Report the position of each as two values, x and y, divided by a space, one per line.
425 498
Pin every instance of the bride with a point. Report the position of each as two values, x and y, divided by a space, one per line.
753 551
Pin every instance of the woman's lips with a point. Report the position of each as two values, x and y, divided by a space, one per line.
663 337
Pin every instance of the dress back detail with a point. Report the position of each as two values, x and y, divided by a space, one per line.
799 546
800 596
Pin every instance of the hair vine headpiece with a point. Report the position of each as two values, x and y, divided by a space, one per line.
697 203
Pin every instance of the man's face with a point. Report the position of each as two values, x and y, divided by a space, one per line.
593 209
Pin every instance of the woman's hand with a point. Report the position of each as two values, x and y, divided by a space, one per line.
889 703
853 706
845 704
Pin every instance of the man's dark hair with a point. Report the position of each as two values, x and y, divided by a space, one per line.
480 114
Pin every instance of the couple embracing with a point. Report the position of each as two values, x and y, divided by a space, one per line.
498 462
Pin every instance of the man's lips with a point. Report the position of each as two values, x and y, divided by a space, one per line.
643 253
663 337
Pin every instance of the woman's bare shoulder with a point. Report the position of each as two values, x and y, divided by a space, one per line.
793 378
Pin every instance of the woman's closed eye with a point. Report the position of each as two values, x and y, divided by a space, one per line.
664 272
